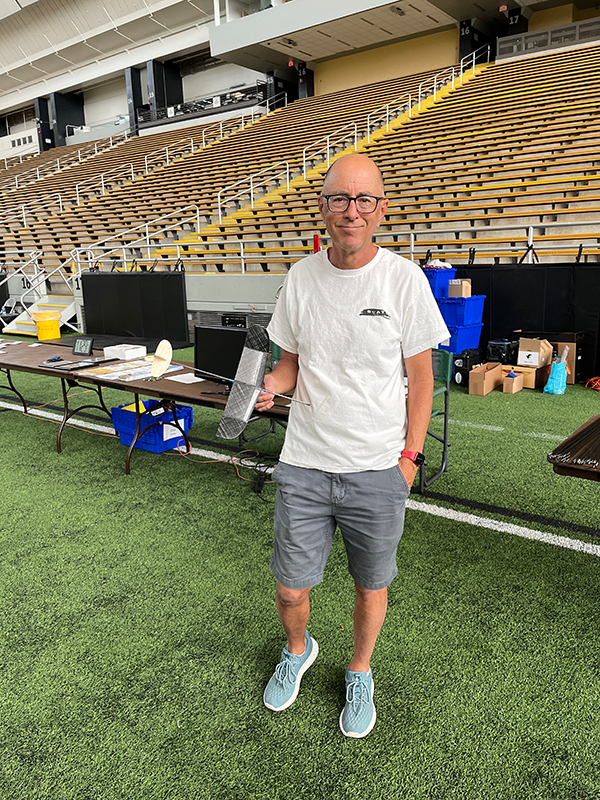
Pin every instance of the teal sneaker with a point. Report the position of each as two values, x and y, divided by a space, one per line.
283 687
359 715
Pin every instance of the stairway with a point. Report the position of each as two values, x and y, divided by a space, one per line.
24 325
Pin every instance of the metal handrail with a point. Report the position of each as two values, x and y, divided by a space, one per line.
206 105
437 82
35 151
471 59
275 98
387 113
33 259
251 180
75 254
137 245
42 276
411 243
254 114
90 255
102 177
169 150
51 167
218 125
584 32
329 144
24 209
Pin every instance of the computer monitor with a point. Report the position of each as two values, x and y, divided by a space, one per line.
217 350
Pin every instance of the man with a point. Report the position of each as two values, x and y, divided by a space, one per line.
347 320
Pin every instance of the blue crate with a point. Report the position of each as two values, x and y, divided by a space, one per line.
462 310
438 280
463 337
153 440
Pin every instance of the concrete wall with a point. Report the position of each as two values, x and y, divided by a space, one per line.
585 13
104 103
8 151
435 50
551 17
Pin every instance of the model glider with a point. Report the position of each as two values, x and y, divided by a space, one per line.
247 384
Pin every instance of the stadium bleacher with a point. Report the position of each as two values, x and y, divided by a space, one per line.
499 157
197 179
516 147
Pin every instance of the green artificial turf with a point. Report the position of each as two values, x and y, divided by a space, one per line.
137 626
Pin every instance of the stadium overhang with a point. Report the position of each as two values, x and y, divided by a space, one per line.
10 7
314 30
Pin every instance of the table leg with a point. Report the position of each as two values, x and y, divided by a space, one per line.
167 405
11 387
243 439
66 384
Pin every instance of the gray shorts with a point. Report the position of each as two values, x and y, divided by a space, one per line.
367 506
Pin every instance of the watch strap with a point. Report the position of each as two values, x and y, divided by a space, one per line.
414 456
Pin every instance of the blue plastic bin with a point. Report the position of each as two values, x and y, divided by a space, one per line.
463 337
462 310
153 440
438 280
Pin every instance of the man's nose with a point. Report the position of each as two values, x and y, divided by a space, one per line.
352 210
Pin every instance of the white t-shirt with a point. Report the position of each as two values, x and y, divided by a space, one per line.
351 330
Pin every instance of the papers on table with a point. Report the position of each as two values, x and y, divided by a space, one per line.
144 373
136 370
189 377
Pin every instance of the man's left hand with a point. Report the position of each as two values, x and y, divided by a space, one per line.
409 469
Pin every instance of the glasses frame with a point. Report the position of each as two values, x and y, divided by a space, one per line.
326 197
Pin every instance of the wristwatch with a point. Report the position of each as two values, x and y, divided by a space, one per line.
417 458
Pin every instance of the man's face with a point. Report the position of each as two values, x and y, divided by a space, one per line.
352 231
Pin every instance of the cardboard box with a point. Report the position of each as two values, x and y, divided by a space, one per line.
574 355
512 385
459 287
534 353
558 339
484 379
532 378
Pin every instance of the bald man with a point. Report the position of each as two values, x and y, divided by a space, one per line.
352 322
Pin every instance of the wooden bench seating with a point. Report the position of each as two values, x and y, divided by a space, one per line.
258 145
519 144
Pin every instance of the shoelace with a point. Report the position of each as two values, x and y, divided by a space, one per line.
357 693
284 672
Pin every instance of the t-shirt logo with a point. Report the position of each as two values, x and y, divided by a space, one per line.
374 312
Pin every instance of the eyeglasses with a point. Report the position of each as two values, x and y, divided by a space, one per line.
338 203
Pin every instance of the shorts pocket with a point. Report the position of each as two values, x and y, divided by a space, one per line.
402 479
281 473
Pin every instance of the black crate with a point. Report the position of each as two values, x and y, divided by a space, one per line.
464 363
502 350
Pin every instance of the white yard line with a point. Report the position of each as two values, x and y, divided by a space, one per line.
413 505
480 426
551 437
504 527
39 412
197 451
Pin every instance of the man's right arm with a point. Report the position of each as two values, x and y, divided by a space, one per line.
281 380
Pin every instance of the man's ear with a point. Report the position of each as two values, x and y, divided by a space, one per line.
321 203
383 207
